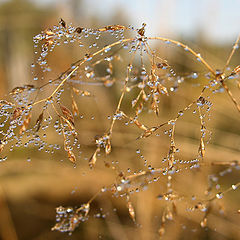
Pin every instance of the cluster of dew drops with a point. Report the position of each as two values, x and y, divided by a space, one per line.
16 112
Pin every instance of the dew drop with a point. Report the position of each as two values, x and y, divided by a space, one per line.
236 46
203 223
219 195
199 57
194 75
180 113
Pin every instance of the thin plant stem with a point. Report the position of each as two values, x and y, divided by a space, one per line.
231 54
188 49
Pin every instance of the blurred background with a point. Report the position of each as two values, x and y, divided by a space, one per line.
209 24
31 190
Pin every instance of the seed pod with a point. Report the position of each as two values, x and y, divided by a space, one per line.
79 30
93 158
1 146
236 70
25 124
39 121
74 107
71 156
16 113
108 147
131 210
67 113
201 149
63 23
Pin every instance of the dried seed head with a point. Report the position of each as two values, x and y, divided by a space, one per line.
162 65
201 149
62 23
204 222
39 121
93 159
25 124
67 113
1 146
71 156
131 210
79 30
74 107
236 70
108 147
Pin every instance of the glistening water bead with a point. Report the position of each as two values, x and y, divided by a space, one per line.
219 195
